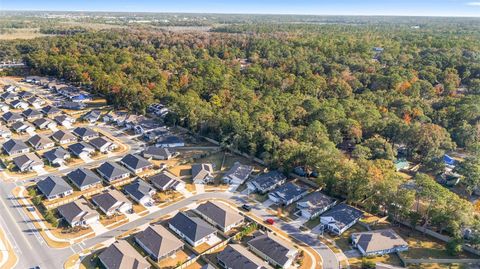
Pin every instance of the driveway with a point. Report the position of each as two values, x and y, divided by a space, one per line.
86 158
40 170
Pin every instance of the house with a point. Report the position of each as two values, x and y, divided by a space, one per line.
92 116
81 149
157 153
85 133
192 229
72 105
9 88
278 252
112 172
287 194
4 107
63 137
53 187
378 242
36 102
144 125
136 163
158 109
266 182
170 141
8 96
80 97
237 174
22 127
121 255
341 217
103 144
40 142
115 117
202 173
44 123
11 117
78 213
24 95
154 135
50 111
112 202
57 156
140 191
220 215
315 204
14 147
64 120
17 104
32 114
235 256
165 181
5 133
27 162
158 242
84 178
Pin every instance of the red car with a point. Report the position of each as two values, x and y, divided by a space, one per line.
270 221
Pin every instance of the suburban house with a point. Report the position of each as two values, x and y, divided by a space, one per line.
136 163
165 181
120 255
144 124
235 256
157 153
27 162
53 187
276 251
92 116
40 142
5 133
57 156
22 127
237 174
85 133
158 109
202 173
64 120
81 149
103 144
44 123
72 105
8 96
24 95
140 191
170 141
84 178
15 146
158 242
9 88
11 117
220 215
315 204
63 137
78 213
4 107
17 104
112 202
111 171
341 217
378 242
36 102
154 135
287 194
266 182
192 229
50 111
116 117
32 114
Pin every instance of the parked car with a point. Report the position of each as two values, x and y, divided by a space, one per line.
246 207
270 221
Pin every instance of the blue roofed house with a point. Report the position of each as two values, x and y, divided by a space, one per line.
266 182
341 217
53 187
141 192
287 194
112 172
449 161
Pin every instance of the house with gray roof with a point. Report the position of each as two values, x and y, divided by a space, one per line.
9 96
11 117
78 213
53 187
237 174
165 181
112 202
121 255
378 242
44 123
57 156
238 257
27 162
136 163
14 147
140 191
18 104
157 153
111 171
170 141
158 242
32 114
341 217
64 137
50 111
36 101
64 120
277 251
191 228
22 127
24 94
202 173
266 182
287 194
314 204
220 215
40 142
81 149
85 133
92 116
84 178
103 144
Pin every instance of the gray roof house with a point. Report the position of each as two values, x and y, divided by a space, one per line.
36 101
81 149
287 194
50 111
56 156
21 127
103 144
111 171
170 141
220 215
84 133
78 213
111 202
278 252
64 120
40 142
32 114
158 242
202 173
53 187
166 181
341 217
27 162
266 182
64 137
44 123
92 116
315 204
136 163
379 242
83 178
17 104
15 146
192 229
11 117
9 96
237 174
157 153
238 257
121 255
140 191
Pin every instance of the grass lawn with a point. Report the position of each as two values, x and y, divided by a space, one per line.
343 241
391 259
312 223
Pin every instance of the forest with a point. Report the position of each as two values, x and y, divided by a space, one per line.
340 99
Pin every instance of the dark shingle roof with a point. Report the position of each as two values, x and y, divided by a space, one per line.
135 161
55 153
238 257
343 214
63 135
157 152
84 132
219 213
11 116
112 170
53 185
31 113
21 160
269 179
192 227
50 110
121 255
108 199
288 191
83 177
39 140
99 142
164 180
14 145
138 189
158 240
273 247
379 240
77 148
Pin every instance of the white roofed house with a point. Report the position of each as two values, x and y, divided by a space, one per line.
315 204
202 173
237 174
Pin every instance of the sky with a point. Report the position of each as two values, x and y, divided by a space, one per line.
463 8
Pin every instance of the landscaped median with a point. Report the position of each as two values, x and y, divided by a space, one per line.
8 258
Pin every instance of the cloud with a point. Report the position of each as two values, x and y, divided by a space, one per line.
475 4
